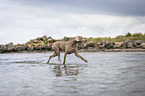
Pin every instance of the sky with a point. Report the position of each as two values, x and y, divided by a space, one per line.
22 20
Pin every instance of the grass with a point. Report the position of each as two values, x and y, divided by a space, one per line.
120 38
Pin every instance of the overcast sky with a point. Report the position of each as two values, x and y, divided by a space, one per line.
22 20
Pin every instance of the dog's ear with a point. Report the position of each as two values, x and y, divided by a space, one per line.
78 38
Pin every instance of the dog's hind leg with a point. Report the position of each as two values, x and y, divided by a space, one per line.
55 54
64 57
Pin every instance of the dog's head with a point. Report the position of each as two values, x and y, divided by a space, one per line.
78 38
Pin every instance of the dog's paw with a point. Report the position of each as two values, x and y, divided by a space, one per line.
86 61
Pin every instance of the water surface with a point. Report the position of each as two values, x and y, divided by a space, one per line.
106 74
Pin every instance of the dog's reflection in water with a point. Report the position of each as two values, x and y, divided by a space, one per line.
66 70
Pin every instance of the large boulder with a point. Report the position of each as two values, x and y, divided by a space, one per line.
136 43
139 42
90 44
127 44
10 47
102 44
3 48
30 49
25 48
142 45
109 45
18 49
117 45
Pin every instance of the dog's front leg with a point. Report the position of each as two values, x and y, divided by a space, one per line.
76 53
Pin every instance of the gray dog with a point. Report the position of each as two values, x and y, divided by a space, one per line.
68 47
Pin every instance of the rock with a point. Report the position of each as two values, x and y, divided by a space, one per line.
139 42
127 44
44 38
25 48
39 48
142 45
49 42
80 46
134 43
34 44
42 44
39 38
39 41
90 44
10 47
109 45
3 48
102 46
117 45
29 45
35 41
18 49
102 42
30 49
47 48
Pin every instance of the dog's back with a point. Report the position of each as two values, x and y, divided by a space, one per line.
59 45
63 45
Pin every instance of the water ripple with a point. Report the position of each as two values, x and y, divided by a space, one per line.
106 74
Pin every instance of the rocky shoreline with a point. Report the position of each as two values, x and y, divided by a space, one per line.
44 44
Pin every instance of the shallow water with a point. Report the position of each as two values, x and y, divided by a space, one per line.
106 74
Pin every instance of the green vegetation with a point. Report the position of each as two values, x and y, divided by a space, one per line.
120 38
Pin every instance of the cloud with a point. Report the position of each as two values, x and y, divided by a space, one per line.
110 7
21 22
93 25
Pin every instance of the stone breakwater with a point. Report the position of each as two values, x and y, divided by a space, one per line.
45 43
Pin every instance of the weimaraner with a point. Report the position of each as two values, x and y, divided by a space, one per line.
68 47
